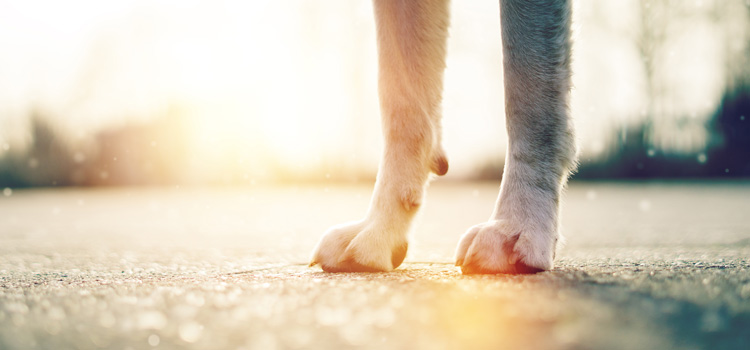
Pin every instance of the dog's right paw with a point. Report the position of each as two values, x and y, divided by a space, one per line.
500 246
359 247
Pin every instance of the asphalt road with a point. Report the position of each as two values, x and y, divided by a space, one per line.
646 266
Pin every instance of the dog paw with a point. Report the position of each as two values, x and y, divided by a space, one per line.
360 247
500 246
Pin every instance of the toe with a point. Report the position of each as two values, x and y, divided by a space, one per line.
519 268
490 249
465 243
349 265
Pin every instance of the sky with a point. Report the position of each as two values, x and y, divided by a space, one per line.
293 84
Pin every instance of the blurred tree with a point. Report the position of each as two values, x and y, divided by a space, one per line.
732 126
47 161
649 39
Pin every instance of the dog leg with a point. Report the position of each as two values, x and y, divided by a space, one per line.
411 56
522 233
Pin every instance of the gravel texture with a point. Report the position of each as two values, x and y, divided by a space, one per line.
646 266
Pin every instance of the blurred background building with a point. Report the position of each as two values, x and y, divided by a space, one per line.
244 92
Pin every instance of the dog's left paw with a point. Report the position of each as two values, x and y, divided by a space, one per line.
500 246
363 246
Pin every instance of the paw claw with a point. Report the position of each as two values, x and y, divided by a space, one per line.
399 254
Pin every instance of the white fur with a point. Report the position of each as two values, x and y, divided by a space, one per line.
522 234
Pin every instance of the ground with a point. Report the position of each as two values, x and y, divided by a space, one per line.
646 266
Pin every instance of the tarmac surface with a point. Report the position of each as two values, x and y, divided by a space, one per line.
646 266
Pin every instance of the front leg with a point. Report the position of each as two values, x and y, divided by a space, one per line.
411 56
522 233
